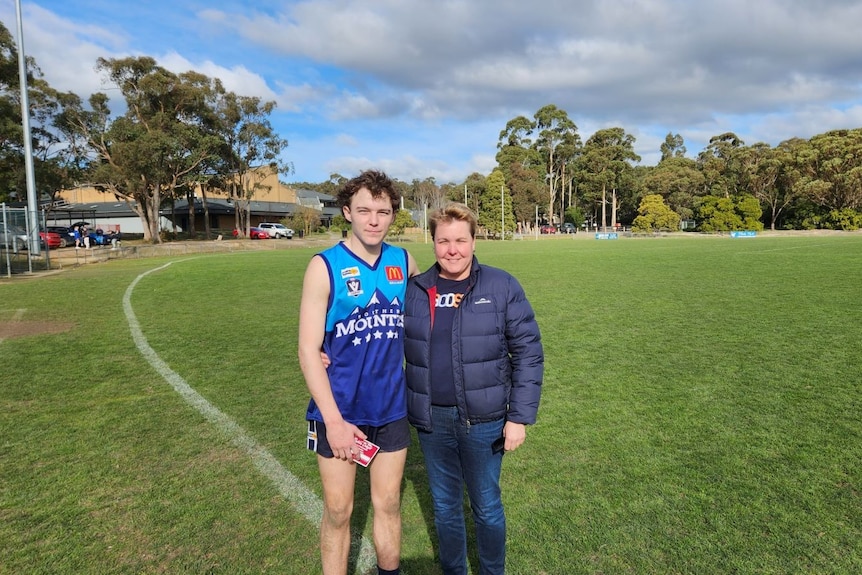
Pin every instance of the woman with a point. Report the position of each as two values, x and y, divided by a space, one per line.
474 375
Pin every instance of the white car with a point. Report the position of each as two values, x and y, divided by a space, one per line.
13 238
276 230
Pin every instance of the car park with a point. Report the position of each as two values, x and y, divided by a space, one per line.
276 230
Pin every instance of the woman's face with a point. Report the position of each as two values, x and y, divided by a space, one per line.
453 248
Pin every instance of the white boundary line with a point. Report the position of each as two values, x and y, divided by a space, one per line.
290 487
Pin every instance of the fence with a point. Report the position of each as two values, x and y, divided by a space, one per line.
20 246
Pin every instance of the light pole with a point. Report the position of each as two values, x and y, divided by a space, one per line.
33 208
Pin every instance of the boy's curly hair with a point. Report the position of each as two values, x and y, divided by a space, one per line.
375 182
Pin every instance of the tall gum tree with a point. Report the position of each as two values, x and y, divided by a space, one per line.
834 170
719 162
523 168
558 142
606 165
760 168
251 150
166 135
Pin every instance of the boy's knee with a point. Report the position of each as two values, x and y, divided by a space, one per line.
388 503
337 515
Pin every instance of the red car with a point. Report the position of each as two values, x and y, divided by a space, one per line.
546 229
258 234
51 239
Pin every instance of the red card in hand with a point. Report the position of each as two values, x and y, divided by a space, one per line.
367 451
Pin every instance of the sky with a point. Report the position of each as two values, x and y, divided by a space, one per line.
422 89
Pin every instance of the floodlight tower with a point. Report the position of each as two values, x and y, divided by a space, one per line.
33 207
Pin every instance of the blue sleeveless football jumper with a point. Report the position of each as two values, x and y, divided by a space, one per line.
364 336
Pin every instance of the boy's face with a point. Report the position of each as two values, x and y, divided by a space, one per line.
369 217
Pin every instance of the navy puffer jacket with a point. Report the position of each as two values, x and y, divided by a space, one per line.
496 349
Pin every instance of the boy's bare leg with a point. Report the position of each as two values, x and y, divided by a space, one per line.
386 470
338 478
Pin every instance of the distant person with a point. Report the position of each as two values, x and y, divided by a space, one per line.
113 238
77 233
85 236
352 309
474 373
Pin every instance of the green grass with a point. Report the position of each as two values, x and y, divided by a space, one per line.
700 414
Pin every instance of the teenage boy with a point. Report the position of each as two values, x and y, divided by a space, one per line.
352 309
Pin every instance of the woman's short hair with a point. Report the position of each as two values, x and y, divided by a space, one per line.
453 212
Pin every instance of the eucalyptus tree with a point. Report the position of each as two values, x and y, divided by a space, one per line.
251 151
605 165
833 172
515 145
165 137
719 162
789 191
523 167
12 177
672 147
760 168
53 165
559 143
426 193
528 193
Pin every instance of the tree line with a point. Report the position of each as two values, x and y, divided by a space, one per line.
184 132
545 172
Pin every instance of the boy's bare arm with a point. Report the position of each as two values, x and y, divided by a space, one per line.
312 327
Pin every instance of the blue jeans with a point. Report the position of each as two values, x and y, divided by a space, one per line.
455 455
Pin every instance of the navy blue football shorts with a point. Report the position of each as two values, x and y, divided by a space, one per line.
393 436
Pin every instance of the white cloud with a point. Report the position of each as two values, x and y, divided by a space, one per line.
71 50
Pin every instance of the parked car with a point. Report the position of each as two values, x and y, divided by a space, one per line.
13 237
548 229
277 230
258 234
568 228
67 235
51 240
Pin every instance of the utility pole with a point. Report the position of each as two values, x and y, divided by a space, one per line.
32 205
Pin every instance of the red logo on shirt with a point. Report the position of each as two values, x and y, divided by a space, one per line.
394 273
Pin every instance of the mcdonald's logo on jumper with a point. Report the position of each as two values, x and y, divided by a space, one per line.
394 274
